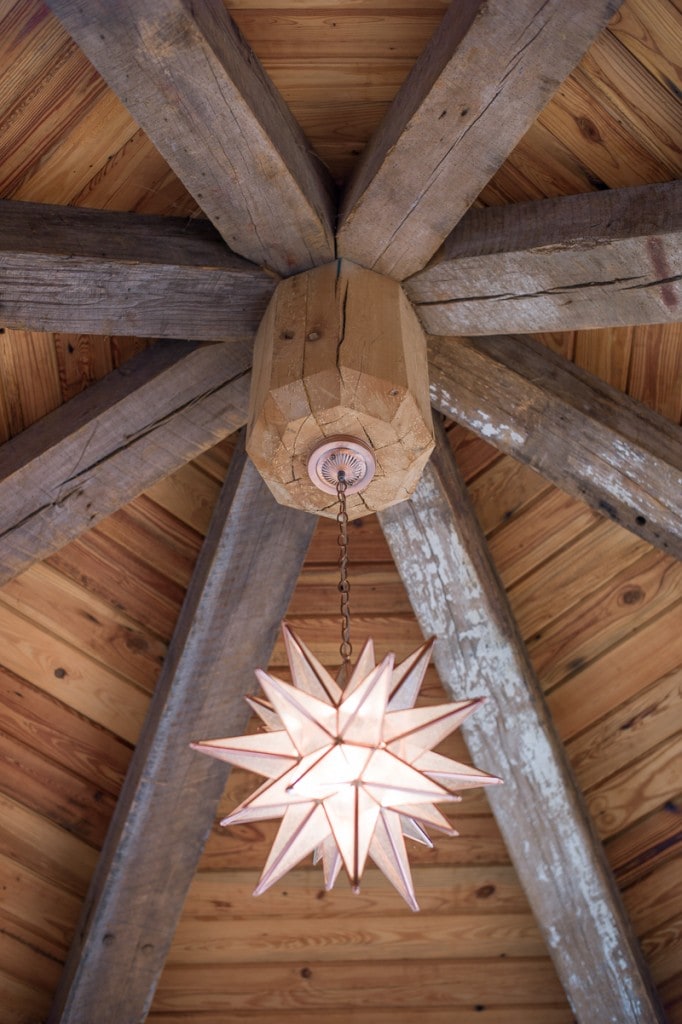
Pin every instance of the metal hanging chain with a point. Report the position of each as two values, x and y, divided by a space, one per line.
346 648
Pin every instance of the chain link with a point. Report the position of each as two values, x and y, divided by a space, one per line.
346 648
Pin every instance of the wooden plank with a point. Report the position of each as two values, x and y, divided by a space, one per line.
166 808
27 964
656 369
484 889
62 671
538 533
648 110
42 846
201 95
454 589
58 88
636 790
650 29
51 790
605 616
41 722
25 897
480 83
114 573
378 936
29 380
595 260
105 446
629 733
55 604
246 846
100 272
544 1014
662 948
655 898
606 354
573 575
649 843
355 986
621 673
595 443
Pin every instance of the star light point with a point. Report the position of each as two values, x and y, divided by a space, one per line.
351 772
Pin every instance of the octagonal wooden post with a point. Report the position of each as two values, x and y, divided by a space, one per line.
340 352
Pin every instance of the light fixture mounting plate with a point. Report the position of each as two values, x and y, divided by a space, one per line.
341 452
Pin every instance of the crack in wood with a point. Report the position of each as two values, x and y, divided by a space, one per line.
559 290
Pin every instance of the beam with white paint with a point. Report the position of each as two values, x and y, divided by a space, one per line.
449 575
591 440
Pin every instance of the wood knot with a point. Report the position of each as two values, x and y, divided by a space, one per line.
588 129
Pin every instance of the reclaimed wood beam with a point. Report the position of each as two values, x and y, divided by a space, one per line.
450 578
193 84
169 800
96 272
488 71
591 440
90 456
596 260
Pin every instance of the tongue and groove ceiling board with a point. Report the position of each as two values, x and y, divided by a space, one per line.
568 445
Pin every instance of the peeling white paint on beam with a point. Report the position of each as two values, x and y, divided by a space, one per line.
442 558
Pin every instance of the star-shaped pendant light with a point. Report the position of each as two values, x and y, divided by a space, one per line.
350 772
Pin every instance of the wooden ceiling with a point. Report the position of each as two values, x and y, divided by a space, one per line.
559 470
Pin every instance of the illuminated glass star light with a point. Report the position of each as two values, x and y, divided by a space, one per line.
350 772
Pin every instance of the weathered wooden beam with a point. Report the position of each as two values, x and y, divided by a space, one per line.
479 85
192 83
95 272
595 260
450 578
226 627
591 440
104 447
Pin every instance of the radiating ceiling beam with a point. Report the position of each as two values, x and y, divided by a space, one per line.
443 559
96 272
227 625
487 73
90 456
190 80
586 437
595 260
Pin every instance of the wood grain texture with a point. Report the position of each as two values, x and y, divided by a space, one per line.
455 593
599 259
477 87
29 380
368 938
170 794
87 271
339 352
357 987
543 1014
105 446
203 98
589 439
